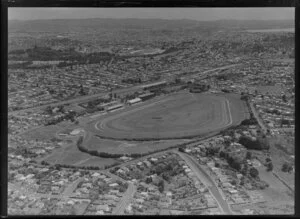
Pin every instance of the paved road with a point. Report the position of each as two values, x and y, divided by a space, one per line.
118 91
255 114
208 181
119 210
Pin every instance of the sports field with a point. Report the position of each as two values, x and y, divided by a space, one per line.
178 115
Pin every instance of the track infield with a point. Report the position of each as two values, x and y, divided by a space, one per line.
179 115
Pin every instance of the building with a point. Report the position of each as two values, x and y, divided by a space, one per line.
115 107
134 101
154 85
147 96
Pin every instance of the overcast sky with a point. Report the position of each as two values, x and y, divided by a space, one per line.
164 13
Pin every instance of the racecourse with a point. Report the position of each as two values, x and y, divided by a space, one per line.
180 115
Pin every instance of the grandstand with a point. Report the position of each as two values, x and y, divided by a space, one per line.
154 85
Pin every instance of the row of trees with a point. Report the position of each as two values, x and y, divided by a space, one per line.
251 121
71 115
132 80
240 164
258 144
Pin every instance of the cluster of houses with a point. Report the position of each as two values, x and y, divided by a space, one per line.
274 111
49 191
148 199
23 121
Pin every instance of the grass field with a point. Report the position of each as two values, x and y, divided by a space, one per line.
119 147
70 155
176 116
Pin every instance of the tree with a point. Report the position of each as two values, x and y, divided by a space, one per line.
48 110
248 155
269 166
284 98
286 167
244 170
148 180
268 160
253 172
181 149
222 154
161 186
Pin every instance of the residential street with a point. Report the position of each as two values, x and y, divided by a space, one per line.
208 181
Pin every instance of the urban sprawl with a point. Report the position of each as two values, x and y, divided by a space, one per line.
60 82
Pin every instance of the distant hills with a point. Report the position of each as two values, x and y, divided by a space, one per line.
78 25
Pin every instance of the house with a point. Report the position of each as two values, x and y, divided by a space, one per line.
188 150
187 170
113 184
120 171
103 208
115 192
147 163
226 184
100 212
169 194
139 200
124 158
153 159
96 174
232 191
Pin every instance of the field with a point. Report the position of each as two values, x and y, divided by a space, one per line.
70 155
119 147
147 51
177 116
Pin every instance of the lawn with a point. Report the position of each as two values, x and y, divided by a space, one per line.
113 146
70 155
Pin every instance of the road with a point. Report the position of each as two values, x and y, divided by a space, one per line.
78 99
117 91
208 181
119 210
255 114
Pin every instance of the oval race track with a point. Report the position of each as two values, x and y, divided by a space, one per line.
176 116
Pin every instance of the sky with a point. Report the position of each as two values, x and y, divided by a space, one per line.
202 14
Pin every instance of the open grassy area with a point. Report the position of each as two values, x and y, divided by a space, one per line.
119 147
70 155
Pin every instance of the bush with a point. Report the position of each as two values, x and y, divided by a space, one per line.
270 166
222 154
253 172
259 144
286 167
181 149
234 162
248 155
251 121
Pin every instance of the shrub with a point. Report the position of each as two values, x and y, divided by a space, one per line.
286 167
253 172
248 155
259 144
270 166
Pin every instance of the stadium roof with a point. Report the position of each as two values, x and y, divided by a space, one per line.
153 84
146 95
115 106
135 100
